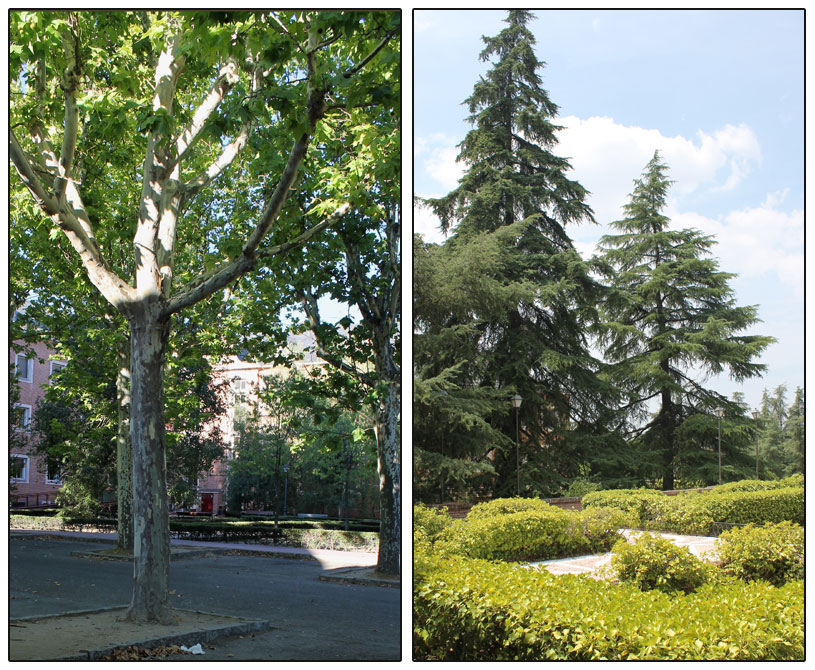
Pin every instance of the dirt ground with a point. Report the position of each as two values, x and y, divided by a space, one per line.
93 635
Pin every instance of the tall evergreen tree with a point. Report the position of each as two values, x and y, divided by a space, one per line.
794 444
670 314
507 300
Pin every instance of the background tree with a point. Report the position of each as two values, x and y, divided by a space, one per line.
669 314
361 268
516 317
205 92
781 433
795 445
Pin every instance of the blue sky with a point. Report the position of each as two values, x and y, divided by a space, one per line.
719 93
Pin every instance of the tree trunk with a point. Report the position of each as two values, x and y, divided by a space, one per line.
151 562
390 485
124 454
667 437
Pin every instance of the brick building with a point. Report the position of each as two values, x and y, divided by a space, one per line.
32 483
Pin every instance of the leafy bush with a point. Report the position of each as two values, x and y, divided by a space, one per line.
654 562
429 522
580 487
634 502
519 536
522 529
774 553
793 481
600 526
502 506
694 513
477 610
686 514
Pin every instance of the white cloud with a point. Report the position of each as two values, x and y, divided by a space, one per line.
607 157
426 224
436 156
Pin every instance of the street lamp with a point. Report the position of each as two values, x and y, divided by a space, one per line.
720 413
285 488
516 405
756 414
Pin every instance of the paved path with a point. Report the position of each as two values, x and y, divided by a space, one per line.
598 565
311 618
329 559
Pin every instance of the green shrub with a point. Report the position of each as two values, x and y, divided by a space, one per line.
686 514
580 487
523 529
502 506
600 526
477 610
694 513
535 534
774 553
634 502
654 562
429 522
793 481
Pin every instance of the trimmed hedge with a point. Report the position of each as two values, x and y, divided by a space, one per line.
694 513
518 529
429 522
794 481
478 610
774 553
204 530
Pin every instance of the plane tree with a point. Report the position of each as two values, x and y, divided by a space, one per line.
212 107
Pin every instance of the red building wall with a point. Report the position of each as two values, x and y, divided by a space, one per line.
33 488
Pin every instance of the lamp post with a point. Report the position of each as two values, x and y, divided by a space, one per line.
756 414
516 405
285 488
719 414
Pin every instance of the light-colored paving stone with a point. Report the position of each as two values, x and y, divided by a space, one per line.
599 565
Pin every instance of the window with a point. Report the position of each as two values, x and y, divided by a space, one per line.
23 419
25 368
240 387
56 366
52 472
18 468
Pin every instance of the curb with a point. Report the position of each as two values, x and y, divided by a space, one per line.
346 576
248 626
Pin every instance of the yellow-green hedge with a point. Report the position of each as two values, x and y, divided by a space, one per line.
694 513
478 610
538 531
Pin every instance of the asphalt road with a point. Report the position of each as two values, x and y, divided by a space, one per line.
313 620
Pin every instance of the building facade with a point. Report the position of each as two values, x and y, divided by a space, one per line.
32 481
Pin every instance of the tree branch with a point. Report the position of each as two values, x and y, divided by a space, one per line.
208 283
227 78
220 164
313 315
69 85
350 73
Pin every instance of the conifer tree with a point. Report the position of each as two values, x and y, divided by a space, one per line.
508 300
671 316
